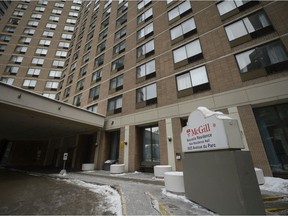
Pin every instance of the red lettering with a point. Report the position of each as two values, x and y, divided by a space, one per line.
201 129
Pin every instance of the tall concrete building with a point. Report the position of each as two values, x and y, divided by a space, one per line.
144 66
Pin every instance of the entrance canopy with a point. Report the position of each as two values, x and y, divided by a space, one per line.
25 115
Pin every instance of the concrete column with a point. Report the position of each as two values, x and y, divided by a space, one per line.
233 113
96 153
126 148
170 144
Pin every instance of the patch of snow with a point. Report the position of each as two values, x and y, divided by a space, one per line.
275 185
207 113
118 174
136 172
112 196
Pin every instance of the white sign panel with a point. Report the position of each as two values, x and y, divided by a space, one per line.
65 156
206 131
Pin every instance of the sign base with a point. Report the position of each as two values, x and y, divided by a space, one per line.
223 182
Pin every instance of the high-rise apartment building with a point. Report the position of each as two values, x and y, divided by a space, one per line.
145 65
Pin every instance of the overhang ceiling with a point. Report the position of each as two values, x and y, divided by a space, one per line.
28 116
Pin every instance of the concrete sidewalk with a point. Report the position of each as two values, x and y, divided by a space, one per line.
141 193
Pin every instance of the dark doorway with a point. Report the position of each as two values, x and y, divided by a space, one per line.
114 145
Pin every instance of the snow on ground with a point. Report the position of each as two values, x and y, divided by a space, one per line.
112 196
275 185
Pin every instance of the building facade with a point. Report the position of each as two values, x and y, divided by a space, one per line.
146 65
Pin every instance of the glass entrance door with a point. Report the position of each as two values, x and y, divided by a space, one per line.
151 151
273 126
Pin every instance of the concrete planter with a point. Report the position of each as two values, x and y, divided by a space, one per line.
117 168
88 166
160 170
174 182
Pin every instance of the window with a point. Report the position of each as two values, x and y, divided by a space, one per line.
73 14
76 8
103 34
227 7
5 38
116 84
66 36
146 50
7 80
58 63
73 66
114 105
14 21
183 30
108 2
69 28
41 51
96 76
64 45
2 47
70 79
61 54
49 95
93 108
25 40
43 2
101 47
150 144
83 70
193 81
59 5
143 3
12 70
146 70
36 16
18 13
21 49
94 93
123 8
16 59
67 92
71 21
88 46
56 11
99 61
49 34
22 6
119 48
52 85
77 100
80 85
40 9
34 72
54 18
121 20
38 61
146 95
29 83
55 74
262 60
145 32
106 13
254 25
180 10
190 52
44 42
51 26
118 64
104 24
120 33
29 31
10 29
145 16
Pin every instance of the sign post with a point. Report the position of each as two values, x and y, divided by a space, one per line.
63 171
217 174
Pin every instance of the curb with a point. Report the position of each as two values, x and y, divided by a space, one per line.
160 207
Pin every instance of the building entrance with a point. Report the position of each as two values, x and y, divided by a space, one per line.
273 126
114 145
150 148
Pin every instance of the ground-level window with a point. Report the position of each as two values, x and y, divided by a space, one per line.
272 122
